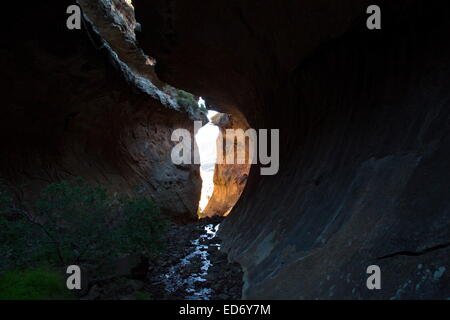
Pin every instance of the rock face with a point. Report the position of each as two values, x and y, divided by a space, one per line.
194 266
363 118
72 105
229 179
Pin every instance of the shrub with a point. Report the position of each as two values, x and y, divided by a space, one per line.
16 234
35 284
17 239
185 98
142 295
187 101
74 222
143 227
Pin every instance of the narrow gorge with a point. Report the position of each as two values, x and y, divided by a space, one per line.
363 118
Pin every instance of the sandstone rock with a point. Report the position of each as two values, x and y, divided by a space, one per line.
71 110
363 119
364 137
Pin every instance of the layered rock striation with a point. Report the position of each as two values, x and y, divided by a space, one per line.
363 118
74 105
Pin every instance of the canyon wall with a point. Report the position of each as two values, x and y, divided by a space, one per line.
73 105
363 118
229 178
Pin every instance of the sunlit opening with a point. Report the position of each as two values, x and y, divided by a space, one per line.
206 140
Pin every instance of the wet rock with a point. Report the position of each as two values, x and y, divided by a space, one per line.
205 273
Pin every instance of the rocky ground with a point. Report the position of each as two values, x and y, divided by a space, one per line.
193 267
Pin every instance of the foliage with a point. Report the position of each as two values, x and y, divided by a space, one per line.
188 101
184 97
34 284
16 234
75 218
142 226
142 295
75 222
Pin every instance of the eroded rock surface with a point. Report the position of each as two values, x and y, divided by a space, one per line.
229 179
194 266
363 119
73 106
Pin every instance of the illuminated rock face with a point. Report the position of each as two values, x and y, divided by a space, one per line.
72 110
363 119
229 179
